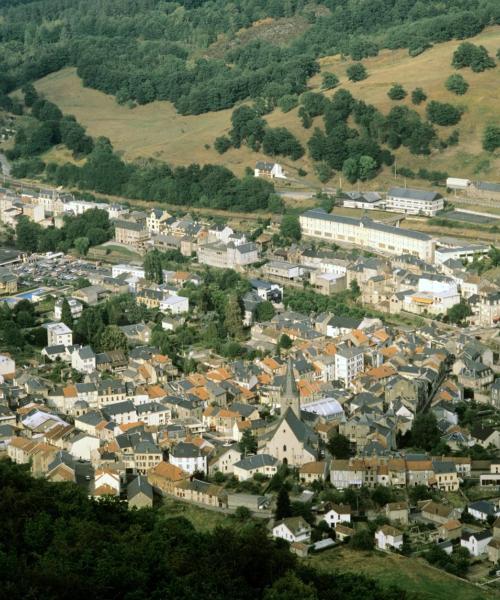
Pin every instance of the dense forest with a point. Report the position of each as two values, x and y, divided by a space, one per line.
144 50
56 543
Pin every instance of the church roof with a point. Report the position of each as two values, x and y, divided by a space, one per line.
289 387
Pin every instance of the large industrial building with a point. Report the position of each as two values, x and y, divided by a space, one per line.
317 223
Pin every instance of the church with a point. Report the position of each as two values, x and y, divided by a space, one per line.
292 442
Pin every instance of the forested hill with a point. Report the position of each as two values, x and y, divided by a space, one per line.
145 50
57 544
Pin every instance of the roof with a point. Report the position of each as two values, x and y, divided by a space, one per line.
390 530
414 194
139 485
289 387
478 535
294 524
320 214
256 461
185 450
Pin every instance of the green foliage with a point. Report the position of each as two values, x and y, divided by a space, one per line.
153 268
283 506
458 313
418 96
234 317
456 84
362 540
264 311
113 338
66 315
314 103
222 144
285 342
425 433
329 81
248 443
82 245
290 586
442 113
288 102
457 563
281 142
323 171
290 227
491 138
475 57
339 446
356 72
397 92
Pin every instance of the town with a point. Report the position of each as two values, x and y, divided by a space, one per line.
335 376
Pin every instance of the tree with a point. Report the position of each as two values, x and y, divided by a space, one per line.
367 168
362 540
475 57
288 102
222 144
397 92
425 433
285 342
290 586
233 320
330 80
264 311
356 72
418 96
82 245
153 269
66 314
458 313
290 227
491 138
339 446
443 113
27 234
350 169
283 506
456 84
113 338
248 443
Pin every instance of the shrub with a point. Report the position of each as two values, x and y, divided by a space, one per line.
442 113
330 80
418 96
397 92
491 138
222 144
475 57
288 102
456 84
356 72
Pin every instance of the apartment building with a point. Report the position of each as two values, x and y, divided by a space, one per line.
414 202
378 237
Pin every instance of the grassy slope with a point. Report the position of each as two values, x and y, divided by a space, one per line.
411 574
157 130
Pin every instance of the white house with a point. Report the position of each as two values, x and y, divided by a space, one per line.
83 360
74 306
339 513
349 361
7 366
247 467
59 334
476 542
388 537
175 305
267 169
188 457
482 509
153 413
414 202
121 412
107 478
82 446
293 529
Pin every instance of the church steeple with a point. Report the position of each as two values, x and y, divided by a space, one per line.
289 393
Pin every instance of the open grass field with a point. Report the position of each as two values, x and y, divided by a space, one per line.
156 130
201 518
411 574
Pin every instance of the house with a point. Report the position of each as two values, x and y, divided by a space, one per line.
188 457
8 282
476 542
140 493
293 529
224 459
130 233
268 169
343 533
106 479
201 492
313 471
165 476
397 512
338 513
83 445
446 476
450 530
58 334
482 509
247 467
7 366
121 412
493 551
364 200
146 456
388 537
75 307
83 360
439 513
414 202
175 305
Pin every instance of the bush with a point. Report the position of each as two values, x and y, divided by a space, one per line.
442 113
456 84
357 72
475 57
418 96
491 138
288 102
397 92
222 144
330 80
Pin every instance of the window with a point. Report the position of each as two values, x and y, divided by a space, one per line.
284 447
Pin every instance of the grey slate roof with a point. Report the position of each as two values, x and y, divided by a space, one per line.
256 461
139 485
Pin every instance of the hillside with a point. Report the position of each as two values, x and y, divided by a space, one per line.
157 130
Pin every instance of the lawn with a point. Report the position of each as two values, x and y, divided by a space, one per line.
156 130
411 574
201 518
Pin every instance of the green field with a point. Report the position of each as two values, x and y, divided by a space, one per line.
411 574
156 130
201 518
